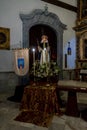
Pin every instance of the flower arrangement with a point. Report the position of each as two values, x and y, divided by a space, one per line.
46 70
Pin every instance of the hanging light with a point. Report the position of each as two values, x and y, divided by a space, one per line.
69 49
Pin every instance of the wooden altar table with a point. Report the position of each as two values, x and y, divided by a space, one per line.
40 98
72 87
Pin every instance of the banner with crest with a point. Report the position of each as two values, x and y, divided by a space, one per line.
21 61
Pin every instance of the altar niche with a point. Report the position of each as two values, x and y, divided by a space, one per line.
49 21
35 34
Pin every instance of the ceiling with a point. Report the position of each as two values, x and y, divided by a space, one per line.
61 4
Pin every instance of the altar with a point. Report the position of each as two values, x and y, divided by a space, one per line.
72 87
40 98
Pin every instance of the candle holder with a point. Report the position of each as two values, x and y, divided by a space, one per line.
34 64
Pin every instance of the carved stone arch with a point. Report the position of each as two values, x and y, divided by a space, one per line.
50 19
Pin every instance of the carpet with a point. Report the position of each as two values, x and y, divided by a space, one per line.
35 117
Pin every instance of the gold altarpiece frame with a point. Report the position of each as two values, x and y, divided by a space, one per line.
83 46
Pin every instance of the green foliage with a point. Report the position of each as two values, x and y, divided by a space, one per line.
45 70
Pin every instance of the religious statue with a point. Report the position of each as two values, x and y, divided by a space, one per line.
44 50
45 68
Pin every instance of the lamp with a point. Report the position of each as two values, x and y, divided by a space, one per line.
69 49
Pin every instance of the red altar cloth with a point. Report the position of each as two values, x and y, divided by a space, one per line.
40 98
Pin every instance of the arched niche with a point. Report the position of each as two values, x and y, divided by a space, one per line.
47 18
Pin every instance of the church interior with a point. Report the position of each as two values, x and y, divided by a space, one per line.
43 65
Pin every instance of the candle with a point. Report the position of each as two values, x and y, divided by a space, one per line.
34 60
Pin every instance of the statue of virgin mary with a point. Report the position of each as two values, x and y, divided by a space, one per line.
44 50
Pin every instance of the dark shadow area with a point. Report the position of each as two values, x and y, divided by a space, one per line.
35 34
19 89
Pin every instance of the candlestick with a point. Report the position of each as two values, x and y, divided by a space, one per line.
34 60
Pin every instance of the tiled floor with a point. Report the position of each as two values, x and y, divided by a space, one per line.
9 110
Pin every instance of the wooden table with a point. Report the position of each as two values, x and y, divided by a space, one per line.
40 98
72 87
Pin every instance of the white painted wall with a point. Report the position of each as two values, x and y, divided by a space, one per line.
9 18
6 61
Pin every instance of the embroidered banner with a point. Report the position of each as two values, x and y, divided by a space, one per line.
21 61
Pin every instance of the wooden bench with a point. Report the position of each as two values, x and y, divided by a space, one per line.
72 87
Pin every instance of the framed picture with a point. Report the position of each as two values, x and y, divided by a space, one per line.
4 38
